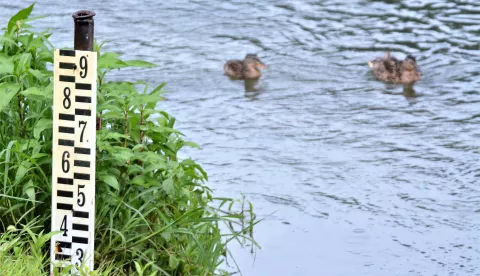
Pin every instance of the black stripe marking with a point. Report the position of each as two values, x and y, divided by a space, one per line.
83 86
66 117
67 78
66 129
64 206
81 163
67 65
68 181
80 227
64 193
80 214
63 244
84 112
82 99
81 176
63 142
62 257
82 150
80 240
67 53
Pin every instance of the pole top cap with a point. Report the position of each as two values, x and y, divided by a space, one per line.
83 15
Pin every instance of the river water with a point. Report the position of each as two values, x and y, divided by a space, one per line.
353 176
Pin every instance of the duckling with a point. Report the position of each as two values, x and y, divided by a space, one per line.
244 69
390 69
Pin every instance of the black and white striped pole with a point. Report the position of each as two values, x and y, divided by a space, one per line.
74 134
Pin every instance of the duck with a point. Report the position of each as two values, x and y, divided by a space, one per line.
390 69
244 69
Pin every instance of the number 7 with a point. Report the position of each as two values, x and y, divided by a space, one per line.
83 130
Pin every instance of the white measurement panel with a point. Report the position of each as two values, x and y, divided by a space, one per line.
73 176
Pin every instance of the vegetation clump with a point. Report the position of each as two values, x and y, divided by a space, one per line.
154 213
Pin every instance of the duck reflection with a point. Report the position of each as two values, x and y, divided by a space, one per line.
252 91
409 91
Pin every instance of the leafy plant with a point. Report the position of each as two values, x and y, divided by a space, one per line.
154 213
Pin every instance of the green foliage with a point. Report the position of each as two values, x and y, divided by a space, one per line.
22 253
154 213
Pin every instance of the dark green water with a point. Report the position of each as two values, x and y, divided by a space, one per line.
356 177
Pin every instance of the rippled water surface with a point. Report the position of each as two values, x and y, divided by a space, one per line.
356 177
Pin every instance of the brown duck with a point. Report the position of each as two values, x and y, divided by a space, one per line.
389 69
244 69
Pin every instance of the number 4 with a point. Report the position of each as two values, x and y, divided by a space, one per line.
63 226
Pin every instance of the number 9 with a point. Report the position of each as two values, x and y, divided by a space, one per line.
83 66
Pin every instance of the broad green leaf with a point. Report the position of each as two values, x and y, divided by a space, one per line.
188 162
121 154
113 115
29 190
34 93
150 100
23 63
40 155
25 40
48 91
7 41
169 187
29 144
159 129
138 180
22 170
110 180
139 147
25 26
37 74
155 167
157 89
135 169
7 92
138 267
41 125
167 234
6 65
45 56
172 261
21 15
115 136
110 61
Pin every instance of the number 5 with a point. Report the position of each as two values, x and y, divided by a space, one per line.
81 194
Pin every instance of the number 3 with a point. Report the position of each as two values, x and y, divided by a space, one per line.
80 258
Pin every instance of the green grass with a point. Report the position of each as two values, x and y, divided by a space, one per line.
155 215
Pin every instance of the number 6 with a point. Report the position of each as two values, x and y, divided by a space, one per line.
65 162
